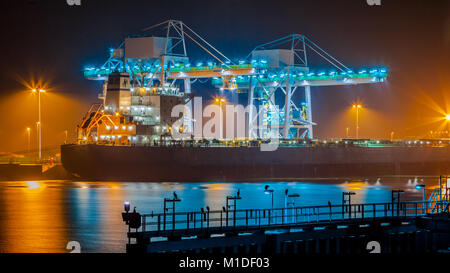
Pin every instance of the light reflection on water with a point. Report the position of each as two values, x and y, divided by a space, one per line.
42 216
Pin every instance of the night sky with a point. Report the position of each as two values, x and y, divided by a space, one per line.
51 42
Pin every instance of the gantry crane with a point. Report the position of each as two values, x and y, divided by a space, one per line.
278 66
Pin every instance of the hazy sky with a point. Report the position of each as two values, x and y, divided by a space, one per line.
51 42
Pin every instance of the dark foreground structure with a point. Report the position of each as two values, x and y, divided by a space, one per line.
396 227
184 163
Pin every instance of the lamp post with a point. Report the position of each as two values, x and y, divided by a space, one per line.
37 131
126 206
357 107
29 138
39 122
447 119
220 101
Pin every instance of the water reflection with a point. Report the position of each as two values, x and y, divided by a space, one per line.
32 218
42 216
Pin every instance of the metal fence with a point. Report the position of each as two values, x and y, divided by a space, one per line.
291 216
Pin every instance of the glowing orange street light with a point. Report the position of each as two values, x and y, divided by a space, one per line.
219 100
39 122
357 106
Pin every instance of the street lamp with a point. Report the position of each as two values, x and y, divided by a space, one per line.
447 119
39 122
268 191
29 138
126 206
357 107
220 101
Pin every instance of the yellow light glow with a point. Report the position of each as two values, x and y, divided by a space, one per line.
447 117
33 185
219 100
34 90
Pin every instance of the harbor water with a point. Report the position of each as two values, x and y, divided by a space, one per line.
43 216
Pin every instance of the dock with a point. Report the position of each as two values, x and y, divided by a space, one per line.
394 227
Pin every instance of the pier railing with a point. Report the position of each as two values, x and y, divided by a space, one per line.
243 219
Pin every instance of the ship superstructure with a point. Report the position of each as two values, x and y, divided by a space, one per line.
131 114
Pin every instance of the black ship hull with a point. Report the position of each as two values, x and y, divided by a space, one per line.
221 164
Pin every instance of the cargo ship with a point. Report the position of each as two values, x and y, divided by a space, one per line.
135 135
246 164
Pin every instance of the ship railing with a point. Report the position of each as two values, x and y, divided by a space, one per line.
210 144
291 216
